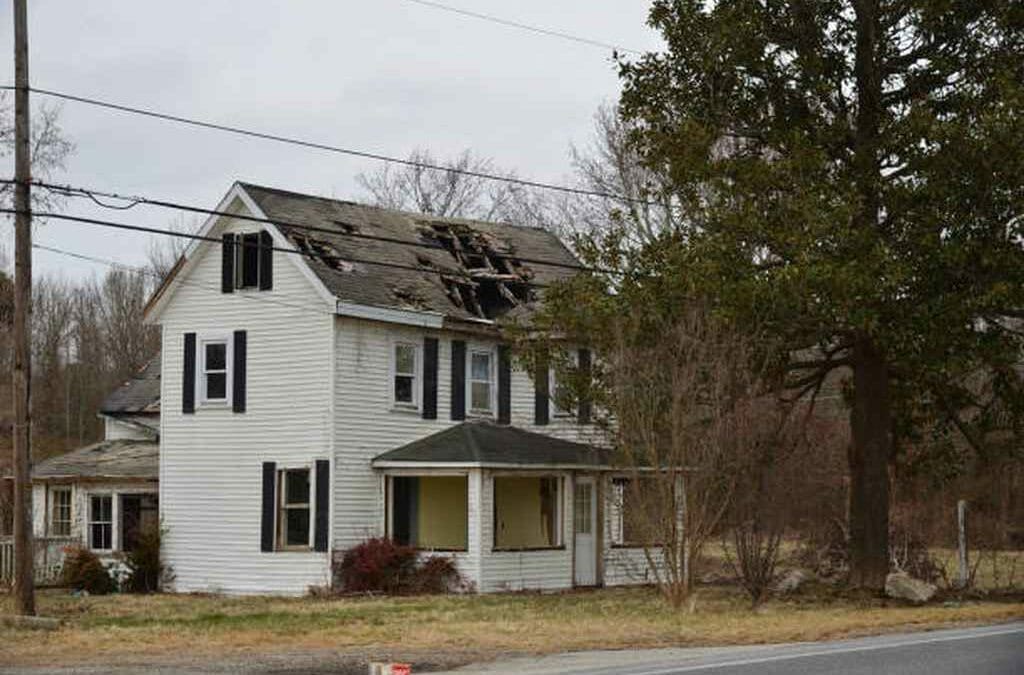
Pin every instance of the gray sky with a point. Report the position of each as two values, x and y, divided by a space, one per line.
381 75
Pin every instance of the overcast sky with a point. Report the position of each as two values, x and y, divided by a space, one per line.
378 75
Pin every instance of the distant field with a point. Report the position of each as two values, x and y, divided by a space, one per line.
132 629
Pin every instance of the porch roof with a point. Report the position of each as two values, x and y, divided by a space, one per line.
481 443
121 459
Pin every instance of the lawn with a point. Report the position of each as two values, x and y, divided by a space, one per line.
130 629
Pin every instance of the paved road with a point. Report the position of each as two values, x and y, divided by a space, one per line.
992 650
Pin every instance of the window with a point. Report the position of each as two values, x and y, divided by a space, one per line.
60 512
101 522
527 512
214 368
247 260
405 367
582 508
643 512
294 530
481 382
430 512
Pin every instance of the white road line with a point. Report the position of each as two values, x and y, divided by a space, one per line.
825 652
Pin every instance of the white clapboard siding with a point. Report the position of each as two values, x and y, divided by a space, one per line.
211 461
115 429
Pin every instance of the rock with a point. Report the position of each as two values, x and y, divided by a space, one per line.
791 581
902 586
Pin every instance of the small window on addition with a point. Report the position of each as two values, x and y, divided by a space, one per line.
405 371
60 512
101 522
294 520
247 261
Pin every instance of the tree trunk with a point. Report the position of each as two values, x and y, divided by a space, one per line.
871 425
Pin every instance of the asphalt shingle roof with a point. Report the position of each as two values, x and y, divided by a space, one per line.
390 287
488 444
139 395
121 459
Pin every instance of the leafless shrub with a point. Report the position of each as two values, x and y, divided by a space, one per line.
753 556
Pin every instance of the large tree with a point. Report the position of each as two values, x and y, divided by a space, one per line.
852 173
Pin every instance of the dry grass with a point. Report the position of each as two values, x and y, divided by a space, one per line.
131 628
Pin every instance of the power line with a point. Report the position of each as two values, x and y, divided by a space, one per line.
327 147
184 282
135 200
200 237
534 29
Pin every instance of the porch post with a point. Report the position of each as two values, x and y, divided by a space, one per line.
475 528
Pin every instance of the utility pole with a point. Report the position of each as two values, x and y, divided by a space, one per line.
24 581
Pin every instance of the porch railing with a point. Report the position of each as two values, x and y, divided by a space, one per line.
49 559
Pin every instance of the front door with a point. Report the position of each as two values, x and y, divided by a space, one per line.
585 531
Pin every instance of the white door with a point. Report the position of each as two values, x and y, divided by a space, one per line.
585 531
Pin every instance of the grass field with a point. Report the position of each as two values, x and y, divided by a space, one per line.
125 628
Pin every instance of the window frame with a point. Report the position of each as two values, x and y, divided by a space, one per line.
417 376
53 521
239 262
202 397
492 381
282 507
617 520
390 509
559 528
91 521
555 411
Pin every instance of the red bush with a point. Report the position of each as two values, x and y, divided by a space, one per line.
382 566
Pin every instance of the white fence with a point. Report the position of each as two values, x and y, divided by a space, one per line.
49 559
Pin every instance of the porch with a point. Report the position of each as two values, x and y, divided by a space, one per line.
515 509
49 559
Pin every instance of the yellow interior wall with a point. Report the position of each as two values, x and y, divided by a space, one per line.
519 522
443 516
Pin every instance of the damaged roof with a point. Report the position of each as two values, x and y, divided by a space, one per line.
461 269
484 443
139 395
121 459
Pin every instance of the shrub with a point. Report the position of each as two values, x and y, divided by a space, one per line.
756 556
382 566
83 571
146 571
377 564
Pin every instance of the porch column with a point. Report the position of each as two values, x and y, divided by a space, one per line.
475 530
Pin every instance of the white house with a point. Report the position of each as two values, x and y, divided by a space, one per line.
333 372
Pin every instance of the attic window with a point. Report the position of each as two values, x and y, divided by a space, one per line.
247 261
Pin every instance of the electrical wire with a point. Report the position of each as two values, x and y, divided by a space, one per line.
326 147
200 237
523 26
184 282
135 200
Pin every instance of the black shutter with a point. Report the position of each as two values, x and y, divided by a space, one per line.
238 372
267 518
458 380
266 261
188 375
323 504
227 267
504 384
541 393
430 378
583 415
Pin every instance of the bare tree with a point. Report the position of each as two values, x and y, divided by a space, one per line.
163 252
690 413
50 149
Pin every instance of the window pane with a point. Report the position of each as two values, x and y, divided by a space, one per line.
297 487
480 367
430 512
405 359
480 396
217 386
582 508
297 527
403 389
99 536
101 509
249 276
216 356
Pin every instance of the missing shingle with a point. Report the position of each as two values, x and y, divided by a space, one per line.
347 228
